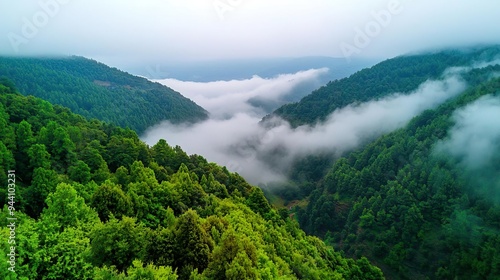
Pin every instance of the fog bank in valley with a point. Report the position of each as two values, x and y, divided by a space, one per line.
256 96
234 136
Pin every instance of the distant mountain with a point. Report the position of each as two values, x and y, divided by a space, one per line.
401 74
95 90
239 69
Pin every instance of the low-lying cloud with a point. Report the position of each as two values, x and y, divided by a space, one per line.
475 136
474 142
255 96
234 137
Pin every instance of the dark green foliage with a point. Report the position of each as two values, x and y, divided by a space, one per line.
68 209
401 74
24 140
137 272
121 152
118 242
63 235
234 259
414 211
39 157
44 182
258 202
79 172
109 199
7 85
7 163
156 213
212 186
192 244
162 247
189 191
95 90
162 153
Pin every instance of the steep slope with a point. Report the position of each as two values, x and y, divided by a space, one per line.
400 74
91 201
381 81
95 90
423 201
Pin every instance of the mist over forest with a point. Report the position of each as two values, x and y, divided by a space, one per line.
233 139
263 152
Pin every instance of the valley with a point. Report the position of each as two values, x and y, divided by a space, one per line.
199 140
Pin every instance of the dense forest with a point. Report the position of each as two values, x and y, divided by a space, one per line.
415 209
401 74
86 199
95 90
91 201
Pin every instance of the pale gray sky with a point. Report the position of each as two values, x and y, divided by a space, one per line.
181 30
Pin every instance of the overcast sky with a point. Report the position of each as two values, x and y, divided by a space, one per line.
180 30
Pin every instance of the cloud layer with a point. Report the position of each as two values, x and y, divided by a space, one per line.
263 155
476 135
474 141
256 96
121 31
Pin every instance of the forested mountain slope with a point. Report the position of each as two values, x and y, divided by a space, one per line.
91 201
95 90
422 202
401 74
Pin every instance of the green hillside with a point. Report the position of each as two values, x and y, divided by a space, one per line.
414 208
401 74
95 90
91 201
